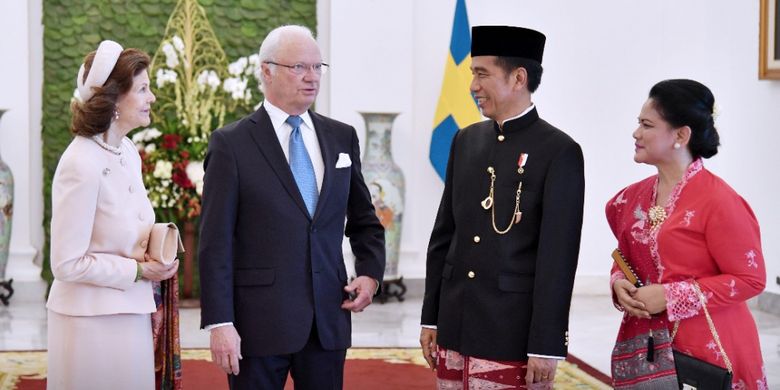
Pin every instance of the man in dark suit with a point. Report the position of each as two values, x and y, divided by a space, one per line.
279 185
504 247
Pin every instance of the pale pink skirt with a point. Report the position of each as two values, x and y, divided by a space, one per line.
100 352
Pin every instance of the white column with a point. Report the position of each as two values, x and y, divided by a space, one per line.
21 74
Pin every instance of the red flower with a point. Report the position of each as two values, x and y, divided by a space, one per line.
184 154
180 178
171 141
179 175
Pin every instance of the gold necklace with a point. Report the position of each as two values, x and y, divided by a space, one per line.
489 202
657 216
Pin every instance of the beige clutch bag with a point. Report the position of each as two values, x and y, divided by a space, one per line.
165 242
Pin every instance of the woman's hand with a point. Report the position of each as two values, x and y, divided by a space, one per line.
625 293
653 297
156 271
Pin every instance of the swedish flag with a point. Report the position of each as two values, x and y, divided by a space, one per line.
457 108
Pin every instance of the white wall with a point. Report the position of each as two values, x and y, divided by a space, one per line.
21 74
601 59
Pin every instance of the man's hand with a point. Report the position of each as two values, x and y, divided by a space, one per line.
653 297
626 296
365 287
428 344
226 348
540 372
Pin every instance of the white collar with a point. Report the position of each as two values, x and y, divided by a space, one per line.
527 110
279 117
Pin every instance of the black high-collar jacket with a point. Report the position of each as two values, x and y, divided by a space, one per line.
503 296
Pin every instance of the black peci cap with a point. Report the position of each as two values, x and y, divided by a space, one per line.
507 41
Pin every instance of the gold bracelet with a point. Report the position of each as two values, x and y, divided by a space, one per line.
139 272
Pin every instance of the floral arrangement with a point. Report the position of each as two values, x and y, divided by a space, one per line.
196 89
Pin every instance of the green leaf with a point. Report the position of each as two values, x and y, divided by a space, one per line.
249 30
80 20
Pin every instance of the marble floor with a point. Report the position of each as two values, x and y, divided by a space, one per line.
593 327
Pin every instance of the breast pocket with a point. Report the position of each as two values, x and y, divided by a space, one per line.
341 177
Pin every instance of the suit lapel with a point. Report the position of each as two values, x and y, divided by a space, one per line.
265 137
326 141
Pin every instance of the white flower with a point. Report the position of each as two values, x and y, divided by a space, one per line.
139 136
150 148
163 169
208 78
254 65
213 80
716 110
236 68
202 78
195 173
152 133
178 43
236 87
165 76
146 135
171 57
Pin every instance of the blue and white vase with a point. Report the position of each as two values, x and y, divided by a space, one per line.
6 211
386 183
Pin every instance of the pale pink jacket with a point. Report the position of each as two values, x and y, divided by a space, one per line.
100 224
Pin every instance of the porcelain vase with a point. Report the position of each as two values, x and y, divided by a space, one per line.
386 183
6 211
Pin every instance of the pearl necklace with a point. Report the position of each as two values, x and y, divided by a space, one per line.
113 149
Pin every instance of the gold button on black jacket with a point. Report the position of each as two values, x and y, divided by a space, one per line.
507 295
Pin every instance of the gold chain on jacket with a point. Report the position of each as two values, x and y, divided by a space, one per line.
489 202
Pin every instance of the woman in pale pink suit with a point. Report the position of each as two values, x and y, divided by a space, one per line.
99 327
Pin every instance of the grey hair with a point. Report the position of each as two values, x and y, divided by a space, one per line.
271 43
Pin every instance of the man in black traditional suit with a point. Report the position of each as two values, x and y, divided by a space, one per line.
279 185
504 247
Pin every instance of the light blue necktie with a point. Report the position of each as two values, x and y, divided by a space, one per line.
301 166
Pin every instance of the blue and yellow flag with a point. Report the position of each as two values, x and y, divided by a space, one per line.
457 108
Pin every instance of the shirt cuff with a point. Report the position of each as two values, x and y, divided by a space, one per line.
212 326
429 326
546 356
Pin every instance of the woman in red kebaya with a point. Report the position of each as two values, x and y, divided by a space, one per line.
680 230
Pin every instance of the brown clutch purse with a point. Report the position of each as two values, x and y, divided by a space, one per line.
622 263
165 242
